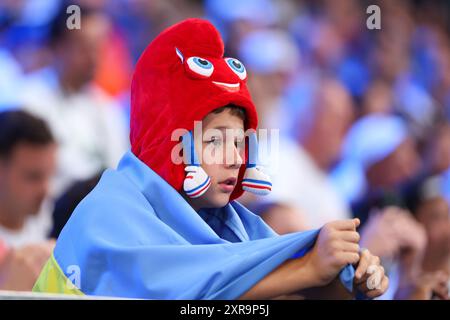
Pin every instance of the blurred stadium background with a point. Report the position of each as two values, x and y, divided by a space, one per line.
364 115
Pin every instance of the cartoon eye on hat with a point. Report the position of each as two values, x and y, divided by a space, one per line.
200 66
196 66
237 67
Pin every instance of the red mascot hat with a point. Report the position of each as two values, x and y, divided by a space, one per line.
180 78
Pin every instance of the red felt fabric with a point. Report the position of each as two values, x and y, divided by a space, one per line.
165 95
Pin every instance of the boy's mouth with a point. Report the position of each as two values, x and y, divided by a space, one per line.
230 87
228 185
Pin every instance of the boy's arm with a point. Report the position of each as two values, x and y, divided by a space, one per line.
290 277
295 280
336 246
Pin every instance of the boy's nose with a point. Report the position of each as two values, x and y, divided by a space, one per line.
234 159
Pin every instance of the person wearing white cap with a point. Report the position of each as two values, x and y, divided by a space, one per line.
426 200
379 158
370 140
381 147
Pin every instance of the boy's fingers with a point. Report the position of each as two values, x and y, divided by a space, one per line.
345 225
362 282
349 247
350 236
349 258
379 292
364 263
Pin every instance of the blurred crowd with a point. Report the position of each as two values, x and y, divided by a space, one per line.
363 118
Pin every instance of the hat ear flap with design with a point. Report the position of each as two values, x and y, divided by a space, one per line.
196 182
255 181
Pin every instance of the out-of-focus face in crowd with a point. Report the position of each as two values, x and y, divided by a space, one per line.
78 51
332 119
27 164
397 167
25 177
434 215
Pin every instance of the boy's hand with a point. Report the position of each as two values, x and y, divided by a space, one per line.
369 275
336 246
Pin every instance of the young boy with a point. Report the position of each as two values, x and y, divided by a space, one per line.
165 224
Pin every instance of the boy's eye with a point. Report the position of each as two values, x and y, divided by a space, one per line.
200 66
215 141
237 67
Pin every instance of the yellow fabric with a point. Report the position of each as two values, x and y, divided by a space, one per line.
53 280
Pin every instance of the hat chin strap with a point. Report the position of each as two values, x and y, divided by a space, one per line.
197 182
255 181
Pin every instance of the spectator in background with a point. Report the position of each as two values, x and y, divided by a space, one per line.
20 267
235 19
272 57
401 242
380 157
87 124
27 163
378 98
382 147
68 201
301 180
402 68
10 79
437 149
425 200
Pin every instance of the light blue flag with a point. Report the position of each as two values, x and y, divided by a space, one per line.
136 236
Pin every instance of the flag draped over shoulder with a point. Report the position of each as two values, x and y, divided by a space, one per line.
135 236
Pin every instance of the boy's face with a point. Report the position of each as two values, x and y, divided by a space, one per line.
222 150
